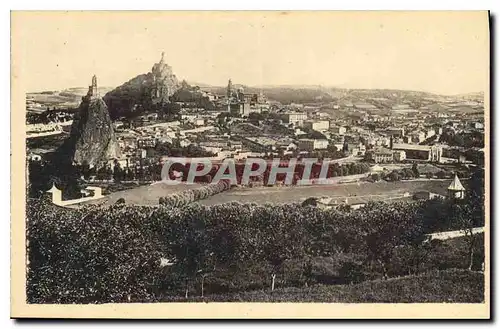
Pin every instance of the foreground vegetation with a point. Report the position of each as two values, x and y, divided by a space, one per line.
116 254
451 286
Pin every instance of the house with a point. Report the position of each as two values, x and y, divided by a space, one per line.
477 125
295 118
312 144
146 142
330 203
299 132
380 155
319 125
199 122
426 195
356 148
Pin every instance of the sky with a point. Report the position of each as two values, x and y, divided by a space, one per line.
441 52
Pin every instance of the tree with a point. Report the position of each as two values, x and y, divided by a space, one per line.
117 172
393 176
475 196
120 201
85 169
407 173
463 214
310 202
386 227
282 237
255 117
441 174
189 246
414 168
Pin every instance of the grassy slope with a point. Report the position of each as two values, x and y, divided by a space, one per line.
450 286
296 194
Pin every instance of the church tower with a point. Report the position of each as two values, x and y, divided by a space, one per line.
229 89
229 94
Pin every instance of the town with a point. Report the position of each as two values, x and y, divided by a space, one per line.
394 190
365 135
335 159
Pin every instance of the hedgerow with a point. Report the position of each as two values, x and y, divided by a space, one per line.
185 197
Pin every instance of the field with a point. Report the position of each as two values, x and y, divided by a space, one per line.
46 143
450 286
146 195
364 190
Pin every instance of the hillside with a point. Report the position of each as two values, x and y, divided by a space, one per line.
144 91
451 286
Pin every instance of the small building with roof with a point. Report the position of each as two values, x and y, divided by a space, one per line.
456 190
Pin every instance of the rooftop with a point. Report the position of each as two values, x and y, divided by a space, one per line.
456 185
411 147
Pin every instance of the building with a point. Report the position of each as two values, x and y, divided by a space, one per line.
318 125
295 118
338 130
355 148
146 142
426 195
431 153
456 190
326 203
380 155
399 155
312 144
477 125
396 132
199 122
365 106
244 109
429 133
416 137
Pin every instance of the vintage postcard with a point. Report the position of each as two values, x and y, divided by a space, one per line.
327 164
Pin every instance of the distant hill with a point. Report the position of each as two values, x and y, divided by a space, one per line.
70 97
284 95
161 85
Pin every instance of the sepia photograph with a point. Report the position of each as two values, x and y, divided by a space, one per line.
223 164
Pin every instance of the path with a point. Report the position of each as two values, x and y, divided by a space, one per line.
453 234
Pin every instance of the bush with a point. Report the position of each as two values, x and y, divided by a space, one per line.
183 198
90 256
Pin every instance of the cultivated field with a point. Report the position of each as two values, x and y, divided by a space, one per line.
146 195
365 190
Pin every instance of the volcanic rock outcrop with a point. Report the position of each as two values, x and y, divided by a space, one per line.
92 138
144 91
